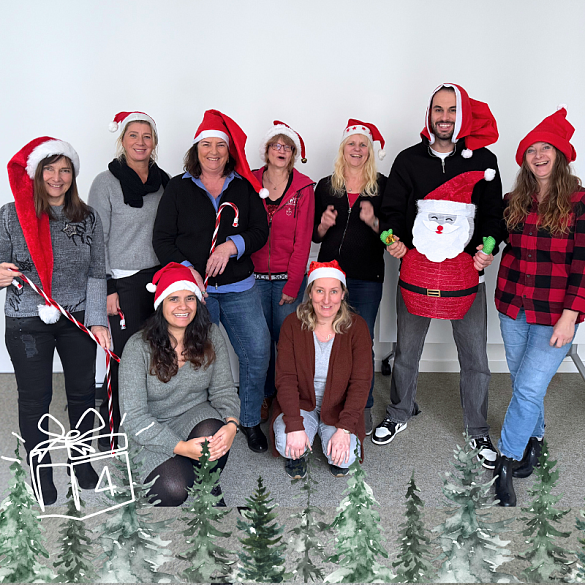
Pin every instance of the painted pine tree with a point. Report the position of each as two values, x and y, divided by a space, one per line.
263 555
413 562
21 538
358 540
548 560
305 540
472 548
75 564
208 561
581 554
133 548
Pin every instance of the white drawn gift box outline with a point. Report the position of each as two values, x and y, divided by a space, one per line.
74 441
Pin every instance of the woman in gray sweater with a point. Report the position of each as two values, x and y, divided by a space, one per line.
176 388
49 235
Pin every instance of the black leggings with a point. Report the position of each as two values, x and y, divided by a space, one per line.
175 475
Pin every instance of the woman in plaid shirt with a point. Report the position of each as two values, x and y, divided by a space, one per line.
540 293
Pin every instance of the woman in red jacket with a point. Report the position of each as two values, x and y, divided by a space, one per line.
323 374
281 264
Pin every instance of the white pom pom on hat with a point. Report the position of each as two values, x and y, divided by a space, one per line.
561 106
381 154
113 126
466 153
489 174
150 287
264 193
49 314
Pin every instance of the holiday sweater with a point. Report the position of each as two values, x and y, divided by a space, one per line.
79 267
168 411
185 221
348 380
289 239
127 230
416 172
353 243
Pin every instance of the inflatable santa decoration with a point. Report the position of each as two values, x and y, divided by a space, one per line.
437 277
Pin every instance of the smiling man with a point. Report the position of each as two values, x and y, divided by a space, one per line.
457 130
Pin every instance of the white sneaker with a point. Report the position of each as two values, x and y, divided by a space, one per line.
487 452
386 431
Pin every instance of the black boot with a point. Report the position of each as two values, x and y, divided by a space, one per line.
48 489
504 487
86 476
529 461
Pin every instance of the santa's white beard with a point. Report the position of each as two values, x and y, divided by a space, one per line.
440 246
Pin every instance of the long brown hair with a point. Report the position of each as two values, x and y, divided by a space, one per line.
555 210
307 316
198 348
75 209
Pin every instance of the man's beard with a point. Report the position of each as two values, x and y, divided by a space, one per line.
439 247
440 134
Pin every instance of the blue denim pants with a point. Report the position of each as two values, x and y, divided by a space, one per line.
270 294
241 315
532 363
365 297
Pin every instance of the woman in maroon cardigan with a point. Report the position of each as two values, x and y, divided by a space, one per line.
323 374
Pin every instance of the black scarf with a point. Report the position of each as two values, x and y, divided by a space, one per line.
133 188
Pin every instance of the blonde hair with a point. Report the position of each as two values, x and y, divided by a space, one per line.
308 318
370 173
121 153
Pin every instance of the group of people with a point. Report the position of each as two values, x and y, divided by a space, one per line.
166 260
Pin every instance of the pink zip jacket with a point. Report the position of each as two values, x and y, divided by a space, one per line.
289 240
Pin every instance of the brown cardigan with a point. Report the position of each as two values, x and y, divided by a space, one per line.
348 378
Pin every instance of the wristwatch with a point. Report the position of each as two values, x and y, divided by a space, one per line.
227 422
346 431
376 223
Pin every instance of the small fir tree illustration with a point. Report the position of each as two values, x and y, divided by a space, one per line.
305 540
133 549
75 563
472 549
263 555
580 524
208 561
358 540
414 559
21 538
548 560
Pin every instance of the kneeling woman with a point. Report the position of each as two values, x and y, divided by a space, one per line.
323 374
176 387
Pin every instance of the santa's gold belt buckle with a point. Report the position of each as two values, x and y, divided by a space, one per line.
433 293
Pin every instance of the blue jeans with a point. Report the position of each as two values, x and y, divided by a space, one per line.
270 294
241 315
365 297
532 363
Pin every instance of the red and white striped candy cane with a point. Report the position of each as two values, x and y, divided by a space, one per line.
110 355
217 219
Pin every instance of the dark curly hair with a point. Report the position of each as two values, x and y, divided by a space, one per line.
198 347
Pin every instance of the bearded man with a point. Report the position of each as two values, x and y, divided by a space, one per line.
457 130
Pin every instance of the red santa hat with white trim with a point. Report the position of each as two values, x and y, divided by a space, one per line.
474 122
172 278
37 233
122 119
218 125
282 128
366 129
454 196
325 270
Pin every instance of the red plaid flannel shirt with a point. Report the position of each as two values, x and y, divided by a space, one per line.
541 273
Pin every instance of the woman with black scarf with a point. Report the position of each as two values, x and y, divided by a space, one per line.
126 197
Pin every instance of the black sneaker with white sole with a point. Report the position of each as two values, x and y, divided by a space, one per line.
296 468
386 431
487 454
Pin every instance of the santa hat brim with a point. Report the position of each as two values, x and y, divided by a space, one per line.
50 148
177 286
274 131
445 207
326 272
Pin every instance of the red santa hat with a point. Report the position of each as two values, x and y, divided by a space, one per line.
368 130
282 128
218 125
474 122
554 129
454 196
122 119
37 233
326 270
172 278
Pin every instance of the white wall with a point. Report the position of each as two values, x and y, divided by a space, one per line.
67 67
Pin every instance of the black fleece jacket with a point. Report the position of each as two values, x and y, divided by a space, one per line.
185 220
355 245
416 172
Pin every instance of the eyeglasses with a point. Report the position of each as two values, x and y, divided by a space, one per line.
279 147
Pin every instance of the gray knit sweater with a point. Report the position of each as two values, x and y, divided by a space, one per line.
169 411
127 230
79 270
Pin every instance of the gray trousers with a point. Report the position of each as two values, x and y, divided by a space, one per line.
470 334
313 426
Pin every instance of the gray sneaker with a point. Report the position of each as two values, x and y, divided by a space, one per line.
368 421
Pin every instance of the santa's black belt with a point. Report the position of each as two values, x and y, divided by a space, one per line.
429 292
